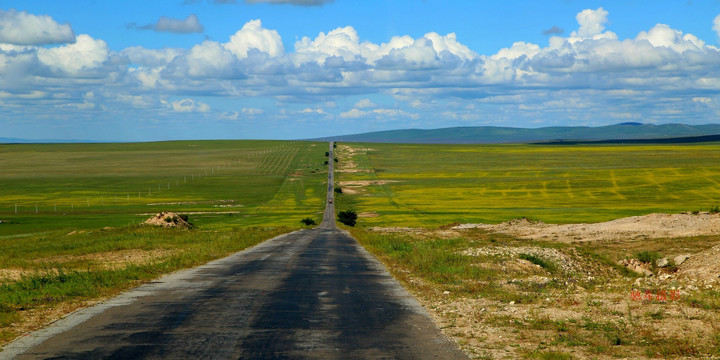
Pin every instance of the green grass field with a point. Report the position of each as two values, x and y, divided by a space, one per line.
95 185
501 297
75 235
430 185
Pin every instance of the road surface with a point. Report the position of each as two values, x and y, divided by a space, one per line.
309 294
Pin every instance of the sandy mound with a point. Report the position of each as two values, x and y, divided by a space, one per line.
703 265
167 219
651 226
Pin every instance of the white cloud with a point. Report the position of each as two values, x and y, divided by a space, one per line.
345 43
254 36
313 111
150 57
592 22
365 103
353 114
252 111
22 28
716 24
210 59
187 105
191 24
661 68
74 59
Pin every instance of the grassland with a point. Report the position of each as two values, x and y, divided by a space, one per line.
501 297
76 236
431 185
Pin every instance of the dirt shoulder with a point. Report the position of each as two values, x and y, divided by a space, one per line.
653 226
525 289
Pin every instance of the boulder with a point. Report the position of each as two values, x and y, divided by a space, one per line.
680 259
661 263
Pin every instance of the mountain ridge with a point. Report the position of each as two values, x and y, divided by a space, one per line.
494 134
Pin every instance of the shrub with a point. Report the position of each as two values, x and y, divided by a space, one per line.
338 190
308 221
348 217
327 153
335 159
545 264
325 163
648 256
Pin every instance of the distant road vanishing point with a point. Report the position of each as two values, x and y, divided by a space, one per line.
308 294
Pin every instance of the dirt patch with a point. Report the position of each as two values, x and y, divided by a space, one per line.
653 226
110 259
352 191
13 274
702 266
365 182
167 219
368 214
193 202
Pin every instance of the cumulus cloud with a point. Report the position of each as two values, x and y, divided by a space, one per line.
716 24
428 51
22 28
434 76
592 22
76 59
254 36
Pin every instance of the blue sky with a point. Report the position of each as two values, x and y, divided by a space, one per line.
209 69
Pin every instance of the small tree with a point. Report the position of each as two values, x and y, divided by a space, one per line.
308 221
327 153
325 163
348 217
335 159
338 190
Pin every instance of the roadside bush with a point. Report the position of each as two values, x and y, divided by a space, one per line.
648 256
338 190
335 159
326 162
545 264
327 153
308 221
348 217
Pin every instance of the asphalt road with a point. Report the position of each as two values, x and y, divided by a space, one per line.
309 294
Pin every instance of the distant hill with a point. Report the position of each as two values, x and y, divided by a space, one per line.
4 140
557 134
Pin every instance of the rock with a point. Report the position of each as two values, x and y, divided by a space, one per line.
446 292
512 303
661 263
680 259
647 272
